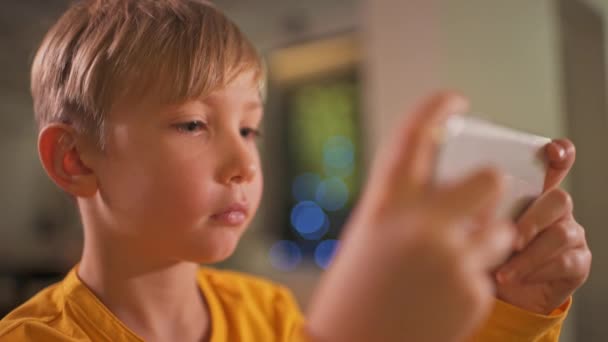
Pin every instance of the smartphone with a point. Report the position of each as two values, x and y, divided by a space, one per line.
468 144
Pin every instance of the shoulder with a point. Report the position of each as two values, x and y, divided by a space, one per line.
34 319
31 330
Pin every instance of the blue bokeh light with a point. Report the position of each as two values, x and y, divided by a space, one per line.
305 186
307 217
325 252
318 234
339 155
285 255
332 194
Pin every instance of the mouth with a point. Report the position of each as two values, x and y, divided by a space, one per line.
233 215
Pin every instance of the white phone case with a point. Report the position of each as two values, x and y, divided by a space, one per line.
470 143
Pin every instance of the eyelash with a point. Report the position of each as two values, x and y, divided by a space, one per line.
252 133
192 127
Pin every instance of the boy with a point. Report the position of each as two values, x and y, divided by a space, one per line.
148 112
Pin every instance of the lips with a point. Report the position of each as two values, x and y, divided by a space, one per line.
233 215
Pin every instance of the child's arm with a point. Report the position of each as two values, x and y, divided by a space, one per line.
415 262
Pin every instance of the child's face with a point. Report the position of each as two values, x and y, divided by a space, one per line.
184 181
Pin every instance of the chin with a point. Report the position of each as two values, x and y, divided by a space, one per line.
214 249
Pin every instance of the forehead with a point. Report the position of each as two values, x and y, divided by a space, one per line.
242 91
244 84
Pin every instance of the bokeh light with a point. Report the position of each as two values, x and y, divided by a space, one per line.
338 156
332 194
307 218
305 186
319 233
325 252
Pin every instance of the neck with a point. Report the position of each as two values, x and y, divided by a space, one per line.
158 300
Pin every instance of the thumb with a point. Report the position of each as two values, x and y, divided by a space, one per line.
561 155
492 245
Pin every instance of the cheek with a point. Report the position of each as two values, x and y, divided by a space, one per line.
158 190
195 197
184 192
127 170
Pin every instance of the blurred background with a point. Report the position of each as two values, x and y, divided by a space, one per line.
340 73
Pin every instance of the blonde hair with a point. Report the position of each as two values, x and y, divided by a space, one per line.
104 52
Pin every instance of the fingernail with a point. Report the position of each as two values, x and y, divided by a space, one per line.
561 152
458 103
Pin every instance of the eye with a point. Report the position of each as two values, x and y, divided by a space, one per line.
250 133
191 126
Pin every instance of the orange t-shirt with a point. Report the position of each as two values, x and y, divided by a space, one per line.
242 308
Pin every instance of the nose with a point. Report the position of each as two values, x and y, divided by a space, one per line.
239 162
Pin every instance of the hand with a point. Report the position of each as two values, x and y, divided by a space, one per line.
553 258
415 263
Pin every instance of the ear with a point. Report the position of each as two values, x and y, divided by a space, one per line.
63 162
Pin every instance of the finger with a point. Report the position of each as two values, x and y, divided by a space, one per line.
475 197
561 155
549 208
561 236
492 245
413 148
572 265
